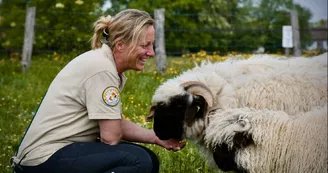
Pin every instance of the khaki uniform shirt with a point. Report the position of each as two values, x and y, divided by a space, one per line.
85 90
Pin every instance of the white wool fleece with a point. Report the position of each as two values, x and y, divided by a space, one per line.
282 143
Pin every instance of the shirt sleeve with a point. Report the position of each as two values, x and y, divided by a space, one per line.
102 96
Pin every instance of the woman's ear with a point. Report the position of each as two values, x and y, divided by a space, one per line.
119 46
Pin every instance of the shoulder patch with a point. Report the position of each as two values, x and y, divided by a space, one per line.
111 96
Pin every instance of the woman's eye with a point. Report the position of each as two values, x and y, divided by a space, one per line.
145 45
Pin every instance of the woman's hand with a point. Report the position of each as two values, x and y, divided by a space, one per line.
171 144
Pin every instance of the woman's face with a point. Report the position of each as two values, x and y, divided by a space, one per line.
137 58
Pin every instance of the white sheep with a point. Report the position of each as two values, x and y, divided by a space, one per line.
246 139
180 106
293 85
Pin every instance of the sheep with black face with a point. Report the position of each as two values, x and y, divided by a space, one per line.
181 106
182 111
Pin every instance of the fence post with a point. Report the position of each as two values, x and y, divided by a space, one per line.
28 38
159 17
296 33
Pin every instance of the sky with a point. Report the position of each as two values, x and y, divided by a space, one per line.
317 7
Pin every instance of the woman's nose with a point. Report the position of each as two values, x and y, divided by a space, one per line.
151 51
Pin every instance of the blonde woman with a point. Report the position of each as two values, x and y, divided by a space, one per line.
79 127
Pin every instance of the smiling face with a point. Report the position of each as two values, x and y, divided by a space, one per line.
137 55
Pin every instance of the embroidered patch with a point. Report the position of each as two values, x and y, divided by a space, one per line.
111 96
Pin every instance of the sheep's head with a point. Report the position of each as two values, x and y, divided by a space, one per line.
176 108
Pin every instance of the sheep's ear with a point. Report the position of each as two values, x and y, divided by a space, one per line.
151 114
240 126
231 130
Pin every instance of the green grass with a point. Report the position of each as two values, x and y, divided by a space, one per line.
21 93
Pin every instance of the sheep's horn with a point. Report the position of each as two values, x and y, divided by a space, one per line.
198 88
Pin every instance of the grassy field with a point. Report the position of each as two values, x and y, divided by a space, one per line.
21 94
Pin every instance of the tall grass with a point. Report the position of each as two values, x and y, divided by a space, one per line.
21 93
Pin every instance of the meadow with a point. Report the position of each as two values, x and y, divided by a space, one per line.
21 93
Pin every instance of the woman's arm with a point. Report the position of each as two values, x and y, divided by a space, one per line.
112 131
136 133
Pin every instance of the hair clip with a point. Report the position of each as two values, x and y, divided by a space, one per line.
105 34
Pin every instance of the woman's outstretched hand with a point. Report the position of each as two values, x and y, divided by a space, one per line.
171 144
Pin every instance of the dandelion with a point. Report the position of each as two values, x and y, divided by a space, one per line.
60 5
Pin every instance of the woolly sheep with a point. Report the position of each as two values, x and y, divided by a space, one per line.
250 140
180 105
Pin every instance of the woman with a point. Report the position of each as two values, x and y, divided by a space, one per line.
83 104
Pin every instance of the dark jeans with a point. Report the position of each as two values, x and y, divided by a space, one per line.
96 157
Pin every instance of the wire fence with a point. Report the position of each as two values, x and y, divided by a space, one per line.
173 46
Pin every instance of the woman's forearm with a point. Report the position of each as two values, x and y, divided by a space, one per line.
135 133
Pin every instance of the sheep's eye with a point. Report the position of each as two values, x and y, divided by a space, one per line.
198 107
161 104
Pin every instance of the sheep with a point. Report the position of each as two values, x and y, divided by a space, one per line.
181 105
234 67
185 101
251 140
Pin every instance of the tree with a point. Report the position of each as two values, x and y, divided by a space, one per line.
189 26
273 15
12 20
60 26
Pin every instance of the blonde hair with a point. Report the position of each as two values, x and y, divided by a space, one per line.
128 26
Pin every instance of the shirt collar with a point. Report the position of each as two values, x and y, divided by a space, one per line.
109 54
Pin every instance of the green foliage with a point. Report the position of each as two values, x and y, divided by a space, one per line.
274 14
224 26
12 20
60 25
190 25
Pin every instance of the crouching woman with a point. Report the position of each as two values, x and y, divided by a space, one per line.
83 106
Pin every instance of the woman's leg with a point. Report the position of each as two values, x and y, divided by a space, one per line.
153 156
99 158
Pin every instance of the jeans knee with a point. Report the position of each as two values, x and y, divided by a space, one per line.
142 159
145 162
